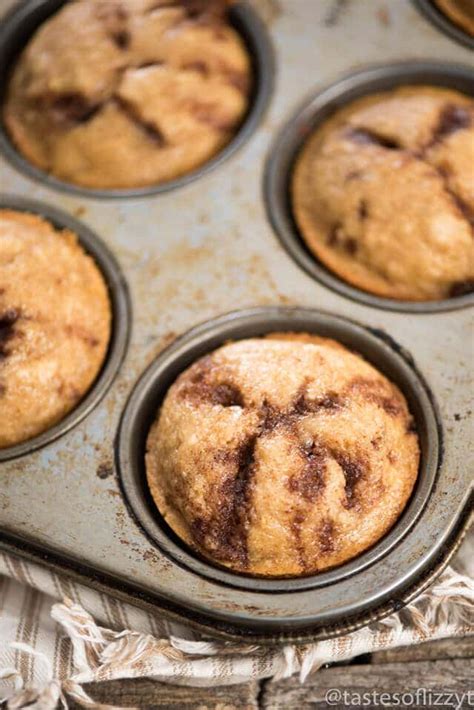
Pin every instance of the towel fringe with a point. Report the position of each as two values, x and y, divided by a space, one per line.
100 654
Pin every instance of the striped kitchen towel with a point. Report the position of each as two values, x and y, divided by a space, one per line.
56 635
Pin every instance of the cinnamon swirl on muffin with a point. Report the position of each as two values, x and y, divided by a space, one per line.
128 93
55 320
282 456
383 193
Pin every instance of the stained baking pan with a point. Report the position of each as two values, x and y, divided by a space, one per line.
191 257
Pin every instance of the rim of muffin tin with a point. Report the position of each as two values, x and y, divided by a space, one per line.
443 23
144 403
121 320
21 22
315 109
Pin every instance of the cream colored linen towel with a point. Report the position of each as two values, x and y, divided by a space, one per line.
56 635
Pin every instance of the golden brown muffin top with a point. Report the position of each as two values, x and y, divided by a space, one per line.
383 193
128 93
282 456
54 325
461 12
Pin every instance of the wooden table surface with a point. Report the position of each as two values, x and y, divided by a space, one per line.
442 666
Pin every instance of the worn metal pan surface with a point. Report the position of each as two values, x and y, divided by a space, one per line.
191 256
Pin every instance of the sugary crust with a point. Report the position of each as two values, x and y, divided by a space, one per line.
461 12
128 93
54 325
282 456
383 193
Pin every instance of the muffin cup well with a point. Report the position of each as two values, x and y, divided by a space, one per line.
294 134
144 403
121 317
20 24
442 22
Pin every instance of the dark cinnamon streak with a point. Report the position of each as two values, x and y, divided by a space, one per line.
225 533
309 482
353 470
375 392
71 107
452 119
121 38
339 239
462 207
202 390
351 245
329 402
227 395
365 136
363 210
114 17
8 319
150 130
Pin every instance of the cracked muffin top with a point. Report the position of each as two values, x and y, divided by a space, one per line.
128 93
461 12
383 193
282 456
54 325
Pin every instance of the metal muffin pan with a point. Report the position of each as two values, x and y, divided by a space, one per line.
25 18
294 135
121 318
442 22
189 256
145 400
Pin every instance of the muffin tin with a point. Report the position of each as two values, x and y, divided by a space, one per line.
141 408
79 504
310 115
19 25
121 317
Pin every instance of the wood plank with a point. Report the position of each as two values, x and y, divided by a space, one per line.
429 651
148 694
447 676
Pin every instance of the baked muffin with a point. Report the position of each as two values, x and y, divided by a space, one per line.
461 12
128 93
383 193
282 456
54 325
